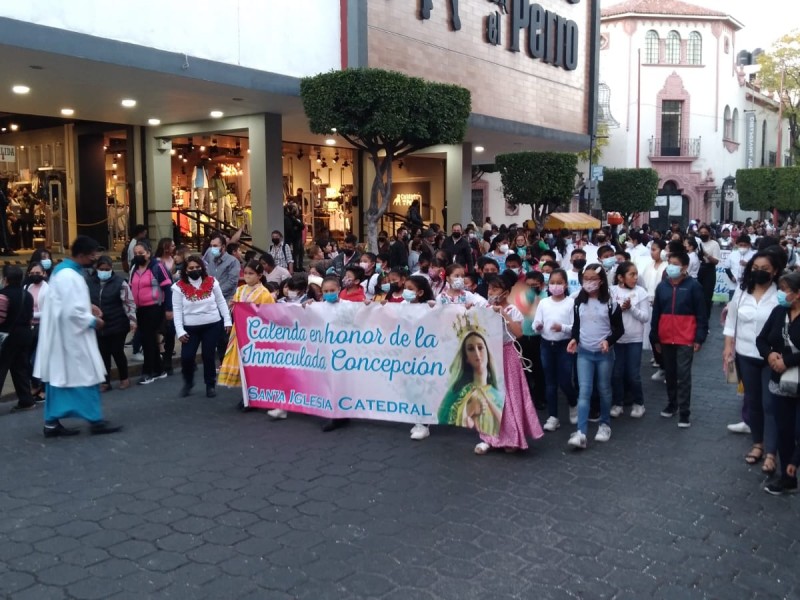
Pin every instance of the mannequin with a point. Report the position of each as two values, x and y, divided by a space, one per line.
200 183
220 191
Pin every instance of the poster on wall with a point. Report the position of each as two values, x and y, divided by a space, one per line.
8 154
405 192
397 362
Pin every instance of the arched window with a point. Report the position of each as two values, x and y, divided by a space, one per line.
651 48
673 53
735 125
694 50
727 124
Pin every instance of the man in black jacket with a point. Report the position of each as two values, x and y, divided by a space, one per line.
4 245
398 251
458 248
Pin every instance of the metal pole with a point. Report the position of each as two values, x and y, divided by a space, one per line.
638 107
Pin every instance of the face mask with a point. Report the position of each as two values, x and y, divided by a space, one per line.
456 235
556 289
348 252
760 277
494 299
40 278
409 295
394 287
276 240
673 271
579 263
347 281
546 278
783 300
609 263
139 260
629 244
515 271
194 275
471 236
364 266
101 275
601 240
330 297
591 286
743 249
215 252
503 248
378 268
291 294
385 287
705 238
46 264
663 255
457 283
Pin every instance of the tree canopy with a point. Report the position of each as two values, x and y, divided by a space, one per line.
781 65
628 191
768 188
387 114
545 180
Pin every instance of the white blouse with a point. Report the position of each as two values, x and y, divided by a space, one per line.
746 319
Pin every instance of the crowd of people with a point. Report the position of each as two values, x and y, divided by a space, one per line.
579 312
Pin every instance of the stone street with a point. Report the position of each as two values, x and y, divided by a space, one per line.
197 500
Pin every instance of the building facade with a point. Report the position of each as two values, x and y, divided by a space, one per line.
128 118
674 98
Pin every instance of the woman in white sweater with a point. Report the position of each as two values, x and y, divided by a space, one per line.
635 304
200 313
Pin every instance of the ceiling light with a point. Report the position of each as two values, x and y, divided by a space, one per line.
216 114
119 154
319 157
154 121
202 148
114 165
20 89
333 129
185 160
67 112
330 142
22 147
14 127
129 103
172 152
479 148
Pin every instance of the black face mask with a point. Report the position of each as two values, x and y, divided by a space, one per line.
276 241
348 252
394 288
760 277
36 278
705 237
579 263
139 260
456 235
195 275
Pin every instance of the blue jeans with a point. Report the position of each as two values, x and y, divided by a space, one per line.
206 336
594 367
627 373
557 366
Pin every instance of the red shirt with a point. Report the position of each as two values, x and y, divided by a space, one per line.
393 298
354 294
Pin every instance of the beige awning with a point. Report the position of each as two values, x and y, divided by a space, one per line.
571 221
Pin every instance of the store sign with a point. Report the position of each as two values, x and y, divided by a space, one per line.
8 154
750 139
551 38
403 194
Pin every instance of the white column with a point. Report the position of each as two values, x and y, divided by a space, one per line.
159 188
266 176
458 184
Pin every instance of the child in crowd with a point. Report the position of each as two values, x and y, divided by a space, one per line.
578 259
394 285
634 302
372 274
295 292
597 325
514 264
418 291
531 341
436 274
351 285
471 281
455 293
519 421
331 295
553 321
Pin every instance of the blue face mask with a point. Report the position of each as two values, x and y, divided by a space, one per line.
104 275
673 271
330 297
385 287
46 264
782 300
215 252
378 268
608 263
546 278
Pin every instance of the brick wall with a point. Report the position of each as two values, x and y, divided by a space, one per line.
504 84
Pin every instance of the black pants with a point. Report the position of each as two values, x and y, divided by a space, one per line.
5 245
148 320
787 415
678 371
114 345
297 255
36 384
531 349
707 278
207 337
15 357
168 335
26 234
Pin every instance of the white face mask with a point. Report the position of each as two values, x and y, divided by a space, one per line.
503 248
457 283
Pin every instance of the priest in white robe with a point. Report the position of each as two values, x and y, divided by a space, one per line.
67 358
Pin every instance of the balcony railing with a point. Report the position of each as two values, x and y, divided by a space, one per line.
683 148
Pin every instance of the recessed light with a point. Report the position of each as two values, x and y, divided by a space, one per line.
154 121
14 127
4 129
67 112
20 89
479 148
129 103
330 142
216 114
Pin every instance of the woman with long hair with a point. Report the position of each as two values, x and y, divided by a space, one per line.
200 315
36 286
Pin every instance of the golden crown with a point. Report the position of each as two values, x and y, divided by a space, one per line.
466 324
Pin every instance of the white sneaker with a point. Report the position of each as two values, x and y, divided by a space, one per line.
658 375
551 424
277 413
573 415
482 448
138 356
603 433
740 427
577 440
616 411
420 432
637 412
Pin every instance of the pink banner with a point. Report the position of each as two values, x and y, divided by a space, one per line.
397 362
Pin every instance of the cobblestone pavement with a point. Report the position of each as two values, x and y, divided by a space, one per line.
196 500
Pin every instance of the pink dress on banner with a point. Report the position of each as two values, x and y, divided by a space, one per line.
519 421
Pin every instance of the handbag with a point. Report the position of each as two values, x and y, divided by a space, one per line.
731 373
790 378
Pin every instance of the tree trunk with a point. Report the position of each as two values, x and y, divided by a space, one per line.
380 197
